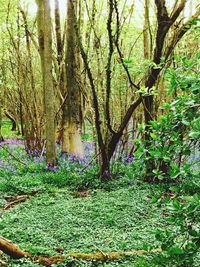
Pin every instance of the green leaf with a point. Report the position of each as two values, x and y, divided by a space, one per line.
187 123
175 251
176 204
174 189
154 200
193 233
194 134
153 135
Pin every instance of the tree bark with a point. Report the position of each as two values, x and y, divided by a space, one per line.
11 249
146 30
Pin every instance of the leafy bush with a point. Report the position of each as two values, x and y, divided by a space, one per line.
181 242
175 135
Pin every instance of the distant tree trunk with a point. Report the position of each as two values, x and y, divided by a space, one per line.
146 34
1 136
35 129
45 45
71 139
12 119
21 113
59 44
19 74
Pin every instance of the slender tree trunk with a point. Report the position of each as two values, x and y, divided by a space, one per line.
59 44
146 31
45 43
21 113
1 136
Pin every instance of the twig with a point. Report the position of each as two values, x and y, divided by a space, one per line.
89 163
43 149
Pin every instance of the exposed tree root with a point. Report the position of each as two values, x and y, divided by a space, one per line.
16 253
11 249
12 201
82 193
99 256
18 200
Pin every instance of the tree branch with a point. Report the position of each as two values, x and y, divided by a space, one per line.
180 33
108 67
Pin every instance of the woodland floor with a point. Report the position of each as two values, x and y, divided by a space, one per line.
120 220
56 218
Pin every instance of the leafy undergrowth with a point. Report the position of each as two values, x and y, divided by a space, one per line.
119 220
73 211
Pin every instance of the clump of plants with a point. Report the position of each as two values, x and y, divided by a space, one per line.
180 242
174 136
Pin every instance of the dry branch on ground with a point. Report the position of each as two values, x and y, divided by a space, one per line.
16 253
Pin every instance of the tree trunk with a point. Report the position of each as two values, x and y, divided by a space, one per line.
59 44
45 43
146 31
1 136
21 113
71 140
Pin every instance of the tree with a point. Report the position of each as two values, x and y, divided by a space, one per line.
71 138
108 145
160 57
45 46
1 136
147 31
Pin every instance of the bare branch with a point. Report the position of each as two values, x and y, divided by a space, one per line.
180 33
177 11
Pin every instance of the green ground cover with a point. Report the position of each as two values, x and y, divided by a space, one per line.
118 215
120 220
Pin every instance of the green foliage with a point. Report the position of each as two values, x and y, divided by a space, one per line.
106 221
182 242
174 136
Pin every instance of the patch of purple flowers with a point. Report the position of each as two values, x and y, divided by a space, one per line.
89 149
50 167
7 168
129 159
33 152
10 141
